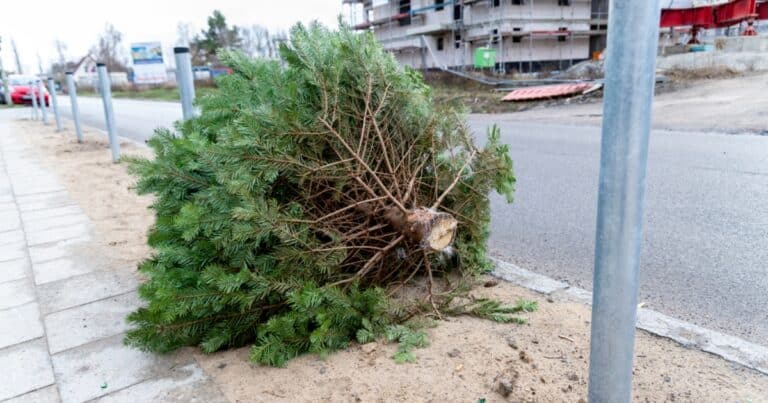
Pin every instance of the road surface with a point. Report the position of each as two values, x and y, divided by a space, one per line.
705 255
135 119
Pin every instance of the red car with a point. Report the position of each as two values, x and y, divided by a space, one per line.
19 88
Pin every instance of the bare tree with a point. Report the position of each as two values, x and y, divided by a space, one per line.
256 41
184 34
259 42
61 65
40 64
274 44
109 49
16 55
61 50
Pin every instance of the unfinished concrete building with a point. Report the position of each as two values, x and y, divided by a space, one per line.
503 35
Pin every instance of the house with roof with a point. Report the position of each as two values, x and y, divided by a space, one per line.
86 76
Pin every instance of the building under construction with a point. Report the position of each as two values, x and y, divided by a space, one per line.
504 35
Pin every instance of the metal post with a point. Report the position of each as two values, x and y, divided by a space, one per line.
6 94
633 33
423 53
106 97
41 100
55 104
75 109
185 81
34 99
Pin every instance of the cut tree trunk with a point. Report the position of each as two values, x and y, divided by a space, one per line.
433 230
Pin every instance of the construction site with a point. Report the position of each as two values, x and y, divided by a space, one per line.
499 35
524 36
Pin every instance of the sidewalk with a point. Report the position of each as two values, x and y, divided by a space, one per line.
63 308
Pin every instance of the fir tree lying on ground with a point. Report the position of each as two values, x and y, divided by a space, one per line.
318 199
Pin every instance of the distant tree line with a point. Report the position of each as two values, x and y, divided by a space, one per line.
256 41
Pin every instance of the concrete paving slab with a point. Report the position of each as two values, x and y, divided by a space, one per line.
44 214
7 206
48 394
14 270
577 294
9 221
15 293
36 197
37 201
42 205
56 296
13 251
83 370
85 323
56 250
31 368
57 234
53 223
19 324
11 237
6 195
525 278
59 269
37 187
187 383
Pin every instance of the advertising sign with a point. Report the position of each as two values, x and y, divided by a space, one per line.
148 66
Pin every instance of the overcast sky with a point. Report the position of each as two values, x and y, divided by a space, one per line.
35 25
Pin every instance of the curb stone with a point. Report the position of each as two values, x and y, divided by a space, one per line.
730 348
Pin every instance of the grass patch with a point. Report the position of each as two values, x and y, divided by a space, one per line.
156 94
703 73
476 100
470 95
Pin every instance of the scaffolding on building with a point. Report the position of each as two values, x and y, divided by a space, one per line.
468 33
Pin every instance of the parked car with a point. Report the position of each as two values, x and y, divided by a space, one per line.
19 89
2 94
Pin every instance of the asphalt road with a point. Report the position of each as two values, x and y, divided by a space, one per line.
135 119
705 255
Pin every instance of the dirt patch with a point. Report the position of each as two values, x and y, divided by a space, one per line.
707 73
468 359
480 100
727 105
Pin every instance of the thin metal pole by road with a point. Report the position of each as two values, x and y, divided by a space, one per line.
6 94
34 99
55 103
185 81
106 97
41 100
75 109
633 34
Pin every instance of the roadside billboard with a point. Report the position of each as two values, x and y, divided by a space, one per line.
148 66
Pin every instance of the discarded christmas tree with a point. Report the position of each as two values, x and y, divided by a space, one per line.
318 199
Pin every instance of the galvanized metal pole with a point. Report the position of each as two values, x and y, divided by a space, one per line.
55 104
106 97
41 100
75 109
34 99
633 33
185 81
4 77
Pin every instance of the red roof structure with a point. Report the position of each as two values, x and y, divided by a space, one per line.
546 92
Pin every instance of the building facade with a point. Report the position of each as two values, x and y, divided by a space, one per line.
511 35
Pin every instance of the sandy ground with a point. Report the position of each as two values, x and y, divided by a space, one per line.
734 105
468 359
